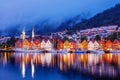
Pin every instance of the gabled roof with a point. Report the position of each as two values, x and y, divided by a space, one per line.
115 41
108 43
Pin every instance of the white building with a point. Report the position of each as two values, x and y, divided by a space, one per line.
43 44
96 45
90 45
48 45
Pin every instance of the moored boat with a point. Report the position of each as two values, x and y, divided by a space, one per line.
28 51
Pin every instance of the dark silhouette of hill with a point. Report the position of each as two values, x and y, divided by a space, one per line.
108 17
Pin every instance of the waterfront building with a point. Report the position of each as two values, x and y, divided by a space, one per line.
102 44
84 45
49 45
72 45
108 45
43 44
96 45
78 45
37 44
90 45
66 45
116 45
59 45
18 44
26 44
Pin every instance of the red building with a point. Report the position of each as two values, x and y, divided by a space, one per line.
102 44
72 45
109 45
59 45
116 44
18 43
37 44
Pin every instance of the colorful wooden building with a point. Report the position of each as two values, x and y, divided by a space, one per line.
108 45
59 45
102 44
84 45
66 45
116 45
96 45
37 44
26 44
72 45
78 45
18 44
90 45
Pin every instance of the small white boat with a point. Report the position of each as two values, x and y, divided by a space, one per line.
98 51
63 51
27 51
115 51
52 51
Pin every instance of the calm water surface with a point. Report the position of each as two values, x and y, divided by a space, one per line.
48 66
23 66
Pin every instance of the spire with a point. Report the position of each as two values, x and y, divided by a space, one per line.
33 34
23 33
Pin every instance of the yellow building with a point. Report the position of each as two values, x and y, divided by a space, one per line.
26 44
84 45
66 45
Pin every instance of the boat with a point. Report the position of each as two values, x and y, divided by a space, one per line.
80 51
63 51
52 51
112 51
28 51
98 51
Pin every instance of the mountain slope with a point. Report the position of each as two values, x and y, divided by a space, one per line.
108 17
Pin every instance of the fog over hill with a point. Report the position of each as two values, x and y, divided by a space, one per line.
47 16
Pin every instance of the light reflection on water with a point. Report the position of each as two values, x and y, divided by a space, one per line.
101 65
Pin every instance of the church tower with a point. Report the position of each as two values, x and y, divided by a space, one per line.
22 36
33 34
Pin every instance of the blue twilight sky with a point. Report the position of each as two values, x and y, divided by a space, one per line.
30 11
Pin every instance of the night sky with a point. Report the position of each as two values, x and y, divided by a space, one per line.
30 11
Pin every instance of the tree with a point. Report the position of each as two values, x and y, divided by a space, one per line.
97 38
83 38
11 42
